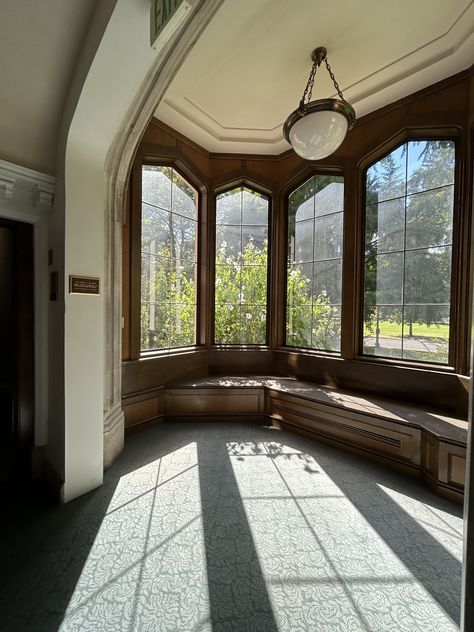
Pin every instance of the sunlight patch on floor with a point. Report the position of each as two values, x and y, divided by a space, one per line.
277 533
147 567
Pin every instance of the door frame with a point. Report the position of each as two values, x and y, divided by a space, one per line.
27 196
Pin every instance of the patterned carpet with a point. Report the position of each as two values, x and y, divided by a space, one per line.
225 527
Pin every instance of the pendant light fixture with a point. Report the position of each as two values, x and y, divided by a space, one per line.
317 128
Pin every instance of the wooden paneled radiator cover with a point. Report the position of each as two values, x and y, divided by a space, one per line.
412 439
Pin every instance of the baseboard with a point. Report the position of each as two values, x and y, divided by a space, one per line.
216 418
143 425
440 489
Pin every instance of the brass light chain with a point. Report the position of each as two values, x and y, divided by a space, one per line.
336 85
308 91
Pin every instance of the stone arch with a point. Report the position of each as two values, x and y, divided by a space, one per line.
118 84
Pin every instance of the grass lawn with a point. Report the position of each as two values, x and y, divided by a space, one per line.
393 330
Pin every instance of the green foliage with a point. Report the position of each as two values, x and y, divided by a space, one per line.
409 208
309 323
240 304
175 314
241 296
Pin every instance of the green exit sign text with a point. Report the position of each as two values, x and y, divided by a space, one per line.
161 12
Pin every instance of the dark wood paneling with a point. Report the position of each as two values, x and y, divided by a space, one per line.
148 373
436 389
457 468
202 403
452 464
141 412
243 361
375 435
400 466
440 109
444 467
429 454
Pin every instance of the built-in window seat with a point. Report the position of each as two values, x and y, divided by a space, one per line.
412 439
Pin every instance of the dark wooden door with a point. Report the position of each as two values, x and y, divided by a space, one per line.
16 350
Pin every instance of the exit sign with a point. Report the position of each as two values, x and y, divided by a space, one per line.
161 13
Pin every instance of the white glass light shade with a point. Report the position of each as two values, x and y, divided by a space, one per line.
318 134
316 129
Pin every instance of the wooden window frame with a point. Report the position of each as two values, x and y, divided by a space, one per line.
132 333
458 337
268 194
290 187
312 350
352 166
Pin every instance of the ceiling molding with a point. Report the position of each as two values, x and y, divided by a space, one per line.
25 193
418 64
220 132
439 57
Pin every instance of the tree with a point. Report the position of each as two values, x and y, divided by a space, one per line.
241 295
408 235
313 323
429 231
315 235
241 281
169 227
384 273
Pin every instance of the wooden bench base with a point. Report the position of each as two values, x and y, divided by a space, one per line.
415 441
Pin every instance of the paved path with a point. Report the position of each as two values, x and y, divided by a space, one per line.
409 344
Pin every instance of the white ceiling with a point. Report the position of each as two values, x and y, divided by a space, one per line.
244 75
39 44
249 69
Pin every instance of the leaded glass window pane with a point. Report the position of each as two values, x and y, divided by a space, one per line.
408 252
241 267
169 259
314 266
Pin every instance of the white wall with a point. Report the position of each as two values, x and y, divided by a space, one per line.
118 83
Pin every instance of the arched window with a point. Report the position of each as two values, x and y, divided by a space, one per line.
314 264
408 252
169 222
241 267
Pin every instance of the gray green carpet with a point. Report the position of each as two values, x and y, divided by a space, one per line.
220 527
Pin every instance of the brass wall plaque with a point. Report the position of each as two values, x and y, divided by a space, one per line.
83 285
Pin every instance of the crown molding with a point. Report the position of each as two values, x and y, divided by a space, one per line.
25 194
434 60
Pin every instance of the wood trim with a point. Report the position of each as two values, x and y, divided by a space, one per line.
126 277
144 425
439 86
284 193
149 154
135 259
448 132
439 109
